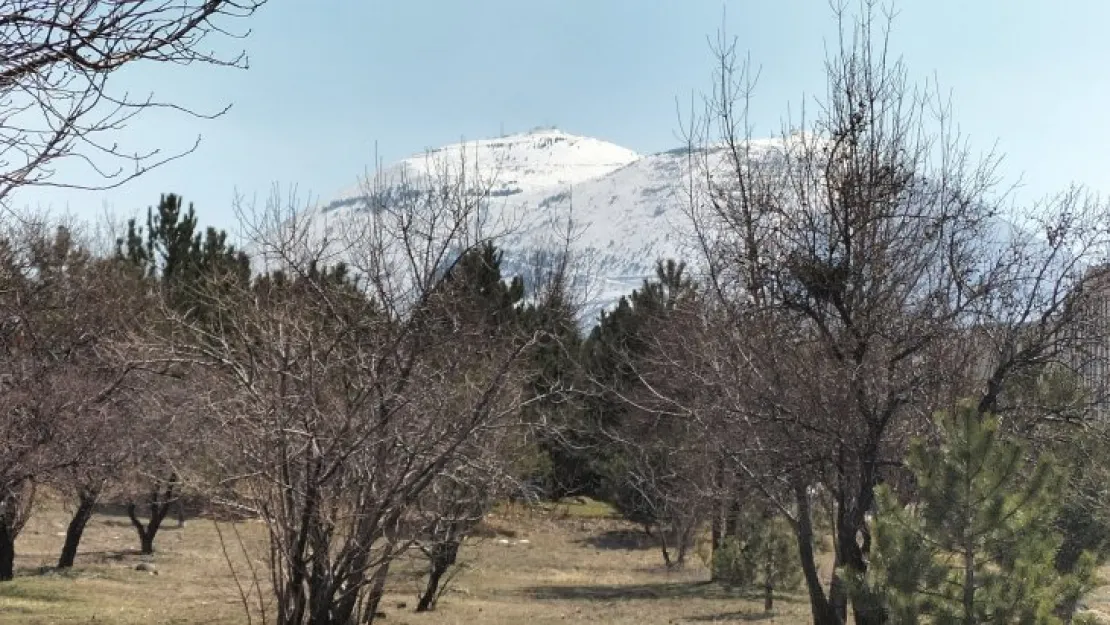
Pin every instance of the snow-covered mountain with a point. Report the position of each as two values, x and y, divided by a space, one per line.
624 208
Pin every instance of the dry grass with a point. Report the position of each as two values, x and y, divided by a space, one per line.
193 583
553 564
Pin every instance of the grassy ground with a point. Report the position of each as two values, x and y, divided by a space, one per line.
555 564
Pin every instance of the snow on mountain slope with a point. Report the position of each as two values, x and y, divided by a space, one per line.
512 165
625 209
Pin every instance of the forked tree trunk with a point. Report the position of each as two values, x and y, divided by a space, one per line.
86 501
851 522
823 613
160 503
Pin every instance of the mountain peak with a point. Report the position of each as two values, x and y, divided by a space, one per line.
624 208
521 163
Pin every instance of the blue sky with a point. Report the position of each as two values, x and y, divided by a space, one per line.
331 79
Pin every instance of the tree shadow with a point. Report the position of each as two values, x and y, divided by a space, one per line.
111 555
117 509
621 540
84 558
661 590
110 509
731 617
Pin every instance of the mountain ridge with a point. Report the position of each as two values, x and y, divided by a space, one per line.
624 210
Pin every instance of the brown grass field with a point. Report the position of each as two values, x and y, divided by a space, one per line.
576 565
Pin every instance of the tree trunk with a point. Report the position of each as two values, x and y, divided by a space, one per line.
850 524
768 597
685 537
377 590
146 532
732 521
86 500
159 507
443 557
427 600
823 613
663 546
716 529
7 550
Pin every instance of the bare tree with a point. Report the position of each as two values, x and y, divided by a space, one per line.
451 508
62 310
347 393
104 384
865 275
60 100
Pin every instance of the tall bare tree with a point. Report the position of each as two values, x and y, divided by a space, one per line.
866 272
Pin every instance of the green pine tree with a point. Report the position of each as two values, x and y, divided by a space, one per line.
762 555
562 463
190 266
978 543
1078 438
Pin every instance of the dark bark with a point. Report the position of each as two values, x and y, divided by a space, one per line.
768 597
663 546
160 502
427 599
7 550
853 541
86 501
732 520
442 557
823 613
685 538
377 591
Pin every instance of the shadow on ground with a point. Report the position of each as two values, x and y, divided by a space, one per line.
192 510
623 539
731 617
663 590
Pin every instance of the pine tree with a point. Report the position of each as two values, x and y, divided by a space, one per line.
563 461
479 287
762 554
185 262
1078 437
641 474
978 543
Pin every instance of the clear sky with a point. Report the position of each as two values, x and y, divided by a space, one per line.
330 78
